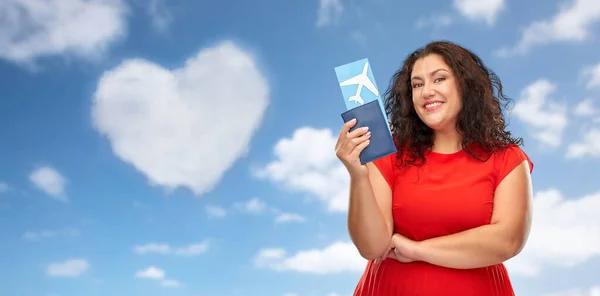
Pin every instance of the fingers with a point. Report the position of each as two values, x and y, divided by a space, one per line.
363 142
345 131
391 254
358 132
347 141
347 126
357 136
349 146
401 257
387 254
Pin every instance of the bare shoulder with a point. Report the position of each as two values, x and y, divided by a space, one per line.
379 178
514 191
509 160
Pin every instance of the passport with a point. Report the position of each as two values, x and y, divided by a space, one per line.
370 115
363 102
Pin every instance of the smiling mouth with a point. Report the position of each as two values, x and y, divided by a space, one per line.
432 106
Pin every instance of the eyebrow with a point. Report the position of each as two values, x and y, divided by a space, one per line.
432 73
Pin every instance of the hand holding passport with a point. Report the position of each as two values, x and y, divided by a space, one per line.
363 104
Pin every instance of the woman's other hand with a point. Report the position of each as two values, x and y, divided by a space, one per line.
400 252
400 257
405 249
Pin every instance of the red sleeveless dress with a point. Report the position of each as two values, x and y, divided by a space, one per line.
450 193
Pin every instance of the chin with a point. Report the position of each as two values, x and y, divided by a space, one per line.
438 121
435 126
438 124
433 122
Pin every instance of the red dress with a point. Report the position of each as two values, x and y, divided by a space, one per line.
450 193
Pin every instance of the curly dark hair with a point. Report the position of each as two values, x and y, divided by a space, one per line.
480 119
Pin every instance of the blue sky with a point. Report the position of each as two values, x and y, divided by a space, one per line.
155 147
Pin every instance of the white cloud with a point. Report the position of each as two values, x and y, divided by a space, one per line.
592 291
267 255
252 206
164 248
589 145
151 272
215 211
50 181
4 187
175 126
435 20
159 14
191 250
307 163
256 206
572 23
359 37
45 234
157 274
339 257
289 217
68 268
592 75
480 10
30 29
574 220
329 12
585 108
589 142
160 248
545 118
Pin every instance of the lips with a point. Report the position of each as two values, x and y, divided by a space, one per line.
432 105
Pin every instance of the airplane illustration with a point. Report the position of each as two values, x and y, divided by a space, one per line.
362 80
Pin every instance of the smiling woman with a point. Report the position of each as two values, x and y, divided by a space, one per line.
442 215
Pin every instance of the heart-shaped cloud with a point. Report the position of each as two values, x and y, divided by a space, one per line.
182 127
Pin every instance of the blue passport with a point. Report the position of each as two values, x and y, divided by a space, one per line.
370 115
363 102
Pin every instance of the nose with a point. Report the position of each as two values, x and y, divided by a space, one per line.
428 91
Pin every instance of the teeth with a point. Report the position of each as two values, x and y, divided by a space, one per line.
433 105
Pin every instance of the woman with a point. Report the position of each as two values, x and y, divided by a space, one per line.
442 215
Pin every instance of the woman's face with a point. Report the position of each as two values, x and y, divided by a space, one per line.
435 94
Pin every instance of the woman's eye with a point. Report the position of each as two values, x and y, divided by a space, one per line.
440 79
416 85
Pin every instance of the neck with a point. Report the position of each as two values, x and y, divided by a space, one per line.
447 141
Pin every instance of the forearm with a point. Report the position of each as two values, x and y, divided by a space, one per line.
474 248
489 244
367 226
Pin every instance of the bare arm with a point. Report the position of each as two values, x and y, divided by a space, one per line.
370 206
486 245
370 213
